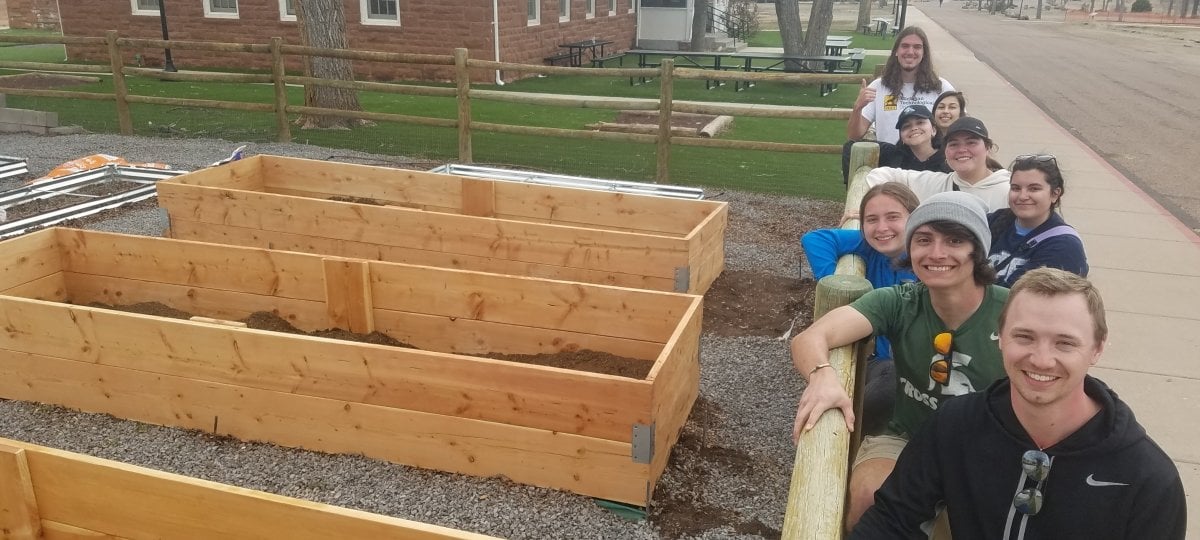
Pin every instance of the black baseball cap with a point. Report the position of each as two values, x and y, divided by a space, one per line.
913 111
968 124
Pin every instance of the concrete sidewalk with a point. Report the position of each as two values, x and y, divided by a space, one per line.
1144 260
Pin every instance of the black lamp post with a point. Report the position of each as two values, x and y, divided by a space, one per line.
168 65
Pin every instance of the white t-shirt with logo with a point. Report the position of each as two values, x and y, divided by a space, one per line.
885 110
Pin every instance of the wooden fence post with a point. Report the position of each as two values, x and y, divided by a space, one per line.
462 76
817 497
663 151
283 129
119 90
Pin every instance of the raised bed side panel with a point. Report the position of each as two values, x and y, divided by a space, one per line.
483 197
78 496
591 249
580 464
676 380
241 174
29 260
279 240
706 246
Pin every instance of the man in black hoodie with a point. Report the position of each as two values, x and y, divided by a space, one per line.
1049 452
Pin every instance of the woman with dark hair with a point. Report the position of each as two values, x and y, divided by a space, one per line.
1029 233
967 150
947 108
916 150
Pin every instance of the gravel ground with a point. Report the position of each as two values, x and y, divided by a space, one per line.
728 477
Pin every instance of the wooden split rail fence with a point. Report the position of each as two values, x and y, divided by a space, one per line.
667 74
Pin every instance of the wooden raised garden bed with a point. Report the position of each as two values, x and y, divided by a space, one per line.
52 494
597 434
452 222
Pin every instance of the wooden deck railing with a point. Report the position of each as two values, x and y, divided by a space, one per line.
463 93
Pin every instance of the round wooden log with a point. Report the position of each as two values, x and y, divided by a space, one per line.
719 124
202 76
392 88
44 66
816 497
584 102
462 83
739 109
758 145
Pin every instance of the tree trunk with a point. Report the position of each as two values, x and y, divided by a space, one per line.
864 13
323 24
791 31
819 20
699 26
1195 5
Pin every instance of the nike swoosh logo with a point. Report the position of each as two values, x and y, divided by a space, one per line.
994 337
1100 483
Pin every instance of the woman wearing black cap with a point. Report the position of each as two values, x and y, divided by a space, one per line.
915 151
967 152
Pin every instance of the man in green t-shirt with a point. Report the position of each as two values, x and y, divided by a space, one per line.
943 332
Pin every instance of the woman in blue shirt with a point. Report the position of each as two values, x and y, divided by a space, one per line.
883 213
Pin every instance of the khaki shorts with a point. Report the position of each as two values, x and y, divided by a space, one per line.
879 447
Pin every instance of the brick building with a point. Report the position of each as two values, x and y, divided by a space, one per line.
528 30
32 13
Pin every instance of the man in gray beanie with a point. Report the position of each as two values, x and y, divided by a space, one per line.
943 332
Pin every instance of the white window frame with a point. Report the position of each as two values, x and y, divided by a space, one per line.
590 11
366 19
283 14
209 13
535 18
139 11
633 6
612 7
564 15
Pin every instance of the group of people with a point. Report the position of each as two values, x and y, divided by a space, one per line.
980 292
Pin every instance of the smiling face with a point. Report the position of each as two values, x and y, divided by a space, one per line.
941 260
883 223
910 51
1048 344
966 153
1031 198
946 112
916 132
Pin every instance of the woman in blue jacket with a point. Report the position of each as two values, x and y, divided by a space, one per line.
1029 233
879 240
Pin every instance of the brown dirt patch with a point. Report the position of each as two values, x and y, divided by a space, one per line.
678 120
65 199
42 81
582 360
742 303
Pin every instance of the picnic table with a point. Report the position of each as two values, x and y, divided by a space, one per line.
881 25
744 61
577 48
836 45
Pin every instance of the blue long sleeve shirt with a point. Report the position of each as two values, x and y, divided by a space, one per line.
823 247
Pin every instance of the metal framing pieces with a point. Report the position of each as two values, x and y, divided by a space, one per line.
559 180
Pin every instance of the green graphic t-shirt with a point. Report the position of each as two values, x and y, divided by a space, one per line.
905 315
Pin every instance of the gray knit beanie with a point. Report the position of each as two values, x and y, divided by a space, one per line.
955 206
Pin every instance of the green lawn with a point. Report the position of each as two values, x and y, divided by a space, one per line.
813 175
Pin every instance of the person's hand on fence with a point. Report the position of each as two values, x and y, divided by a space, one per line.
866 95
824 392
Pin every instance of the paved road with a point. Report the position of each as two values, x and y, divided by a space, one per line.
1128 93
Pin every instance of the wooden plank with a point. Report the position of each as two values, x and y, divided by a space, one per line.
522 241
202 265
478 197
246 173
560 305
601 209
85 289
193 230
348 295
477 388
394 186
86 495
51 287
53 530
676 380
707 249
319 195
19 515
585 465
29 257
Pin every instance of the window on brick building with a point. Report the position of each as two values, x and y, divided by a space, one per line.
564 10
384 12
533 11
221 8
664 3
287 10
612 7
145 7
591 9
632 6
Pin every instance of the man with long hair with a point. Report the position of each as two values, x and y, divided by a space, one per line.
908 79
